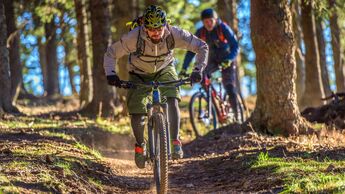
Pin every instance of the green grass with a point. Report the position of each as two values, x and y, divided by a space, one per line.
120 127
45 177
88 150
9 189
56 134
66 166
95 182
61 153
18 165
6 186
304 175
318 126
34 151
3 180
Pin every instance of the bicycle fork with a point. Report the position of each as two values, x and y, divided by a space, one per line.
167 127
155 107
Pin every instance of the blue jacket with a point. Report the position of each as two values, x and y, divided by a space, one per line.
218 51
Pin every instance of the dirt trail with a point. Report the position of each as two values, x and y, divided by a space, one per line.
221 162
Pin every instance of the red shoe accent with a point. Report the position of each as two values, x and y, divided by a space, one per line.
139 150
176 142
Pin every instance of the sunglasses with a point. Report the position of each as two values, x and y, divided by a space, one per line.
159 29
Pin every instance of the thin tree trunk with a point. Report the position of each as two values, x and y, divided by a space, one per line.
230 17
322 52
234 25
339 66
102 103
225 11
5 80
313 86
71 76
82 40
276 110
121 17
154 2
300 80
51 60
42 54
15 65
43 63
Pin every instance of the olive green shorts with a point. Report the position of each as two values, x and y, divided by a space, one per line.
138 98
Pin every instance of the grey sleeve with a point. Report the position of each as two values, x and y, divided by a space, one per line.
186 40
124 46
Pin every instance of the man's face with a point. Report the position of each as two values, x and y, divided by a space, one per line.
155 34
209 23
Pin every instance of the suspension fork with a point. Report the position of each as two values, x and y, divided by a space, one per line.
152 108
150 131
165 108
208 96
218 105
209 100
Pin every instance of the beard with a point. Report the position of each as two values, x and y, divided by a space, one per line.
156 40
209 28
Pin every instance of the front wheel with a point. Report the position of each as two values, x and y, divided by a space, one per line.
241 109
202 121
161 153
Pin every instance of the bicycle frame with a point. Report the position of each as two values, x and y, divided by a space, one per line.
214 98
155 107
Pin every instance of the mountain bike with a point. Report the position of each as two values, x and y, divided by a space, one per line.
210 107
158 130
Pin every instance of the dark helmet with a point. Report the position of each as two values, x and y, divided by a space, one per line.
209 13
154 17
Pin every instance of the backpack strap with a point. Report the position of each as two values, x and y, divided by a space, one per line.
140 45
170 40
203 34
220 34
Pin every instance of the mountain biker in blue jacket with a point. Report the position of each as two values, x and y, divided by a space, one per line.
223 50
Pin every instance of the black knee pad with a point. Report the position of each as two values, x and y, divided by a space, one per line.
231 89
138 119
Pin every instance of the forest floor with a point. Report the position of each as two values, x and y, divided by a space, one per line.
50 151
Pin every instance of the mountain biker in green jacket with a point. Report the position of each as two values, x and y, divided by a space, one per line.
150 48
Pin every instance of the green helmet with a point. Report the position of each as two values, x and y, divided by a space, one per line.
154 17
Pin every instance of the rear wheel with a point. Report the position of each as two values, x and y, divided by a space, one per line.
161 153
202 121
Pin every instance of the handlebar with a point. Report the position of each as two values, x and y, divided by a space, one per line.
334 96
154 84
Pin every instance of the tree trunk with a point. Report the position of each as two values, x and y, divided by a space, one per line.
82 42
5 80
43 63
226 12
155 2
71 76
42 54
300 80
51 60
313 85
121 17
13 36
339 67
103 95
276 110
322 52
230 17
